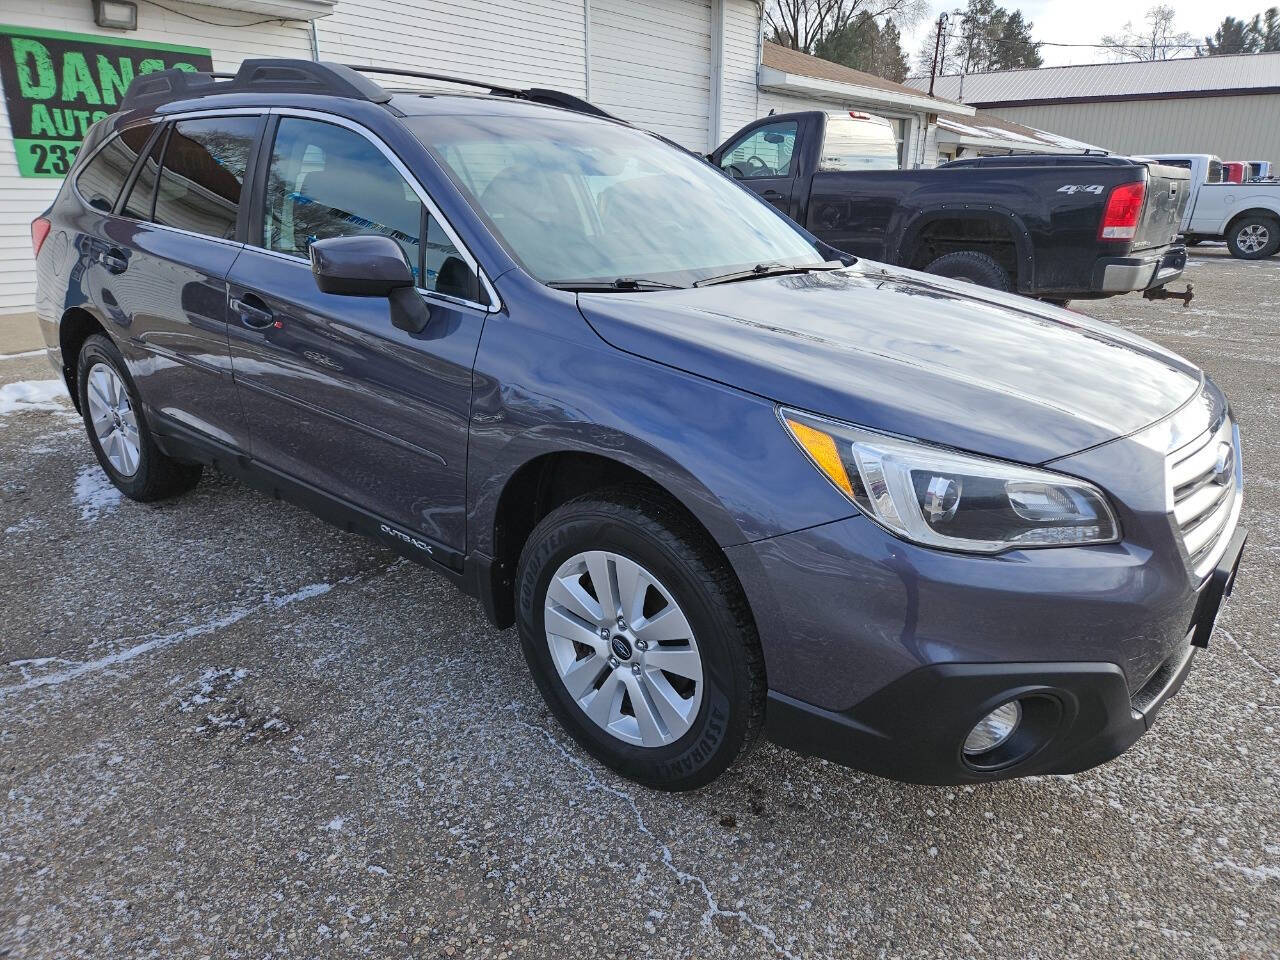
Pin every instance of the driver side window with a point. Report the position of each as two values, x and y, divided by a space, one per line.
764 152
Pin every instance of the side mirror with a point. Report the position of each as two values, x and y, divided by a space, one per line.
370 266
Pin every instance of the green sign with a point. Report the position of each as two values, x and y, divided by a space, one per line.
57 84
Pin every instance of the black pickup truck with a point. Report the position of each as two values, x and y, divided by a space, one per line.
1058 227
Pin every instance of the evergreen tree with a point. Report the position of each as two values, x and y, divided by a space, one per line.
866 45
1259 35
1235 36
989 37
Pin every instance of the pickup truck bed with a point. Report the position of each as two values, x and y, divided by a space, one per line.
1034 224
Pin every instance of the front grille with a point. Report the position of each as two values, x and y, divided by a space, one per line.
1205 485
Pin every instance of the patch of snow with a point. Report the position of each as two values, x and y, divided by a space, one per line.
212 682
25 353
335 824
33 395
24 526
159 641
1253 873
94 493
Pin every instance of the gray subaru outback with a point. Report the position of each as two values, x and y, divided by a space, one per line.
725 480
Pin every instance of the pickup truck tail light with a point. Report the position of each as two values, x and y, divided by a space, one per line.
1120 219
39 231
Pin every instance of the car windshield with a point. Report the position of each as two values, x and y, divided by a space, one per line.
579 200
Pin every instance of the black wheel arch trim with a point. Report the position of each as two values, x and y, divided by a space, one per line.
1023 280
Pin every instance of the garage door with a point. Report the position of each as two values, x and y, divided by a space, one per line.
651 65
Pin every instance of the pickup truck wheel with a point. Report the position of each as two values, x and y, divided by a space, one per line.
1254 238
640 639
118 430
972 266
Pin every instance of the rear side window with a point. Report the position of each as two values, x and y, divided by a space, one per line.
143 192
858 143
202 176
103 176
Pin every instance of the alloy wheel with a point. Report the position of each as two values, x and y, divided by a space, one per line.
114 422
1253 238
623 648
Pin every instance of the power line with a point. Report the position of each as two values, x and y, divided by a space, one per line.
1095 46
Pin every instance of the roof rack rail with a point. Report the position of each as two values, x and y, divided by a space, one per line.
309 76
254 76
554 98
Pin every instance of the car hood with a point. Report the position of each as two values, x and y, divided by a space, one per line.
911 354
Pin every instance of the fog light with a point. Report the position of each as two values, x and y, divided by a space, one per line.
993 729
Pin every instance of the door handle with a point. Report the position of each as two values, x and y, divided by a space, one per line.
253 311
114 260
771 195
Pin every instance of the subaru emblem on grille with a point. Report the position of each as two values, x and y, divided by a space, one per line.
1222 465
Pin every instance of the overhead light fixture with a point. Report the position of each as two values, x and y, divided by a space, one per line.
115 14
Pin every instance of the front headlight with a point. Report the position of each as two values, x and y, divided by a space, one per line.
941 498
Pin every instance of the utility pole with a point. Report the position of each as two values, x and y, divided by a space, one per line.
937 48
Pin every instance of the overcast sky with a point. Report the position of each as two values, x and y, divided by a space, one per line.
1085 21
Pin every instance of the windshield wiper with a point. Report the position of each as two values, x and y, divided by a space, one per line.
617 283
768 270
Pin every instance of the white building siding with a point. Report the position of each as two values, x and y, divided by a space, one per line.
535 43
651 65
22 199
739 89
1234 128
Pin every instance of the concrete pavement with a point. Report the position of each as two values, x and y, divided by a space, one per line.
228 729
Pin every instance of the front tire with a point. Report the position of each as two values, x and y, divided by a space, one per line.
974 267
639 638
1254 238
118 430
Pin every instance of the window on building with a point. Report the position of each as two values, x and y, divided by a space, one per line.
203 174
328 181
142 195
765 152
103 176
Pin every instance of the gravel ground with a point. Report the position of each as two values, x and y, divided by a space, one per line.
230 730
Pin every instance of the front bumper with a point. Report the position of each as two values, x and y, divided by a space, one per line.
913 729
1111 640
1142 272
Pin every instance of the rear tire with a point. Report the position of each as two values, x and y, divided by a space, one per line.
118 430
1254 238
589 680
974 267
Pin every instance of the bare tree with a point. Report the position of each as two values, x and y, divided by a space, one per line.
1157 39
803 24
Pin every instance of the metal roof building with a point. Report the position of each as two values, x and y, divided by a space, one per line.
1229 106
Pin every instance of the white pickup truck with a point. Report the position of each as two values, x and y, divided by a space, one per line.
1246 215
